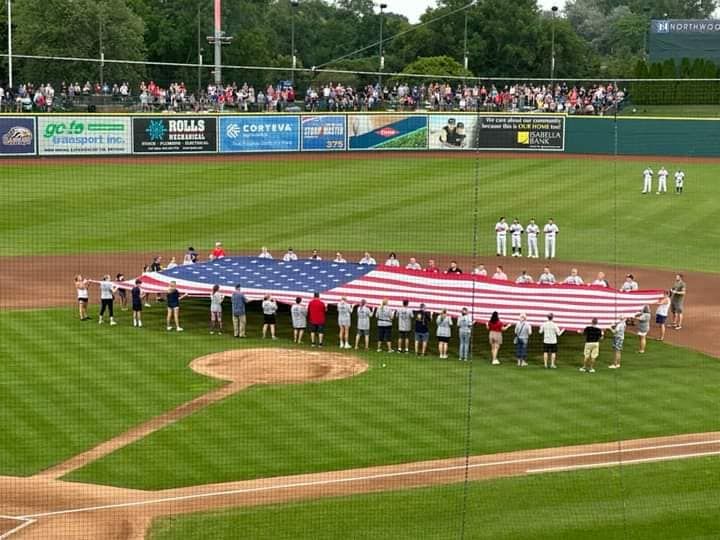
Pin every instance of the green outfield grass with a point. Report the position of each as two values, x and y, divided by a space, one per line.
653 501
409 204
82 383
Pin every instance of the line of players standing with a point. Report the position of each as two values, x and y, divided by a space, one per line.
516 230
662 181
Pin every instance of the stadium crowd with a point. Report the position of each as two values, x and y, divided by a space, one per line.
591 99
412 324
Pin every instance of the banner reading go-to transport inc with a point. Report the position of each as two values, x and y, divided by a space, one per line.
83 135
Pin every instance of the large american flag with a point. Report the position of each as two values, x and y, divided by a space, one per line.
573 306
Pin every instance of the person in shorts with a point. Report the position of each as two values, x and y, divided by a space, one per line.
298 314
676 301
405 322
422 330
661 313
316 318
83 296
364 313
344 313
216 300
550 332
443 332
593 335
173 306
136 297
384 315
495 329
643 319
618 330
269 309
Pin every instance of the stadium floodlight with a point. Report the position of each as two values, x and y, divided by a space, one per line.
554 10
383 7
294 4
9 44
218 39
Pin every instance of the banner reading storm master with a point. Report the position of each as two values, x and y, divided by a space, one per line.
83 135
153 135
17 136
521 132
321 132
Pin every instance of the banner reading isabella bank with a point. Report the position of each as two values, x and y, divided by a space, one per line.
521 132
154 135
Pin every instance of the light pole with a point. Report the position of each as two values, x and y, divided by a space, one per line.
218 39
199 53
554 10
9 33
465 51
382 58
293 6
646 12
101 31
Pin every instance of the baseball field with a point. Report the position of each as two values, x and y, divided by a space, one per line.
121 432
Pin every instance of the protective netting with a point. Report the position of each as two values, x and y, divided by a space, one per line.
370 187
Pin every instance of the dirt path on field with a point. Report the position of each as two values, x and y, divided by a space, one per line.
47 281
62 510
243 368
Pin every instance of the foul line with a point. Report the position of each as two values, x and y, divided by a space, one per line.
380 476
25 523
619 462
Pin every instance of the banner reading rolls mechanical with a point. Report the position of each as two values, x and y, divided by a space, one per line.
159 135
520 132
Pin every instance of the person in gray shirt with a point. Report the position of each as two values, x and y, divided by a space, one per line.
364 313
384 315
465 324
443 332
405 324
643 319
523 331
344 312
238 301
298 314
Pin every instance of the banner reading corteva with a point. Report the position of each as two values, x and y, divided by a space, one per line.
260 134
83 135
520 132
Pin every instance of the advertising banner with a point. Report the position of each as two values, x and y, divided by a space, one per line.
323 132
260 134
160 135
387 132
452 131
17 136
83 135
521 132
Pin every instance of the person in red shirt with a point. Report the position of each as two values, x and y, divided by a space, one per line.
496 328
218 252
316 318
431 267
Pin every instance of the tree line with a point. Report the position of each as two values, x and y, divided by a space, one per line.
590 38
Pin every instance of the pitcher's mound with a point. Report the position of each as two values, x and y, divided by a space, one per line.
278 366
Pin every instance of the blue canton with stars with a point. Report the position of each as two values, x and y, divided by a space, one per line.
255 273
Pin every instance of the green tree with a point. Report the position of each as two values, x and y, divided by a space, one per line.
433 67
76 29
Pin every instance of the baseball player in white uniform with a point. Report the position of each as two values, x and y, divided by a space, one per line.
516 231
662 180
647 180
532 231
501 229
679 181
551 231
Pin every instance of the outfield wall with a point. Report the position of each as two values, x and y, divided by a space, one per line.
103 135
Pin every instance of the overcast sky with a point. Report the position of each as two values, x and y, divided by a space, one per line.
412 9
